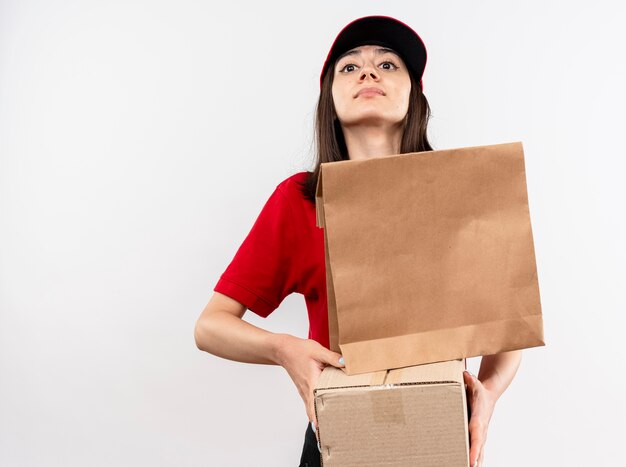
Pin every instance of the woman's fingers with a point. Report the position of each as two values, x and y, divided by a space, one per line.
304 360
310 409
470 380
312 416
476 445
326 357
332 358
481 407
475 442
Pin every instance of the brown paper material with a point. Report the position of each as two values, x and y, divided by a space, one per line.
429 256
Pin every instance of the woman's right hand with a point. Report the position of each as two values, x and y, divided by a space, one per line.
304 360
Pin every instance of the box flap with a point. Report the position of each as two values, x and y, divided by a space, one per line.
451 371
441 372
332 377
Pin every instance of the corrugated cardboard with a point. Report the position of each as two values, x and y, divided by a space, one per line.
429 256
413 416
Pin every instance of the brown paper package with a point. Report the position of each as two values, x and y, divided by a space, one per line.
429 256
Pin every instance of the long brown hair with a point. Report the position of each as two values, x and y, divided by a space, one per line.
329 139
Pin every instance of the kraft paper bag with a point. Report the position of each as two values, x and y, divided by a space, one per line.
429 256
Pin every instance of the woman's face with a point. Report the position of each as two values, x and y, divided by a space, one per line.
371 85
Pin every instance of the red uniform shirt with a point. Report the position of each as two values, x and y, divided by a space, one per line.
283 253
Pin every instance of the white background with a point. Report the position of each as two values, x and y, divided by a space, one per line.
140 139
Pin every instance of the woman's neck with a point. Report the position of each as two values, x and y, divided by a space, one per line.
367 142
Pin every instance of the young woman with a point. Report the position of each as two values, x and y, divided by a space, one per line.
371 104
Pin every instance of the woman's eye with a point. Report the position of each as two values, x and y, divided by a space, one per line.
349 65
393 65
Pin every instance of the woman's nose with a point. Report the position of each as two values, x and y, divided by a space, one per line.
368 71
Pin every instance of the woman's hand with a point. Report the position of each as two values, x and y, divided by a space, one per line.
481 402
304 360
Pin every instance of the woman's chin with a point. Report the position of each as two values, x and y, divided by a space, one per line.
372 119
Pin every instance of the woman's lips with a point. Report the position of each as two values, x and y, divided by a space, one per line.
370 92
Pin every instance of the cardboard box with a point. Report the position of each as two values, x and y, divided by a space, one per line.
413 416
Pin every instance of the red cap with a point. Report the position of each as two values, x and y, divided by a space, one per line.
385 31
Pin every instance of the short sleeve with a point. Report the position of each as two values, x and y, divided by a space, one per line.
262 272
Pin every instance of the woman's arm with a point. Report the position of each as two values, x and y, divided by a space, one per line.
495 374
220 330
497 371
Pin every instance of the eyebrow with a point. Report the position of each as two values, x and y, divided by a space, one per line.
380 51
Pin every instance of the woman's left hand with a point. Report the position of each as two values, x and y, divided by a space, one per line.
482 403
